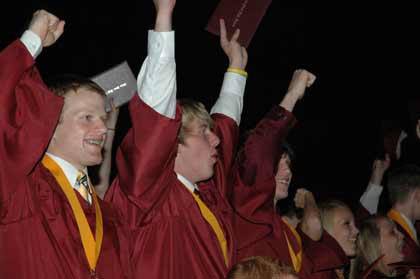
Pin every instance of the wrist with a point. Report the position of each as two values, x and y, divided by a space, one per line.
163 22
237 71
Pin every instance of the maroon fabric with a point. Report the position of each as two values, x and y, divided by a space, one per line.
322 258
39 237
260 231
171 238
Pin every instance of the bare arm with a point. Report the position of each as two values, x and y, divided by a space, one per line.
311 221
370 198
301 80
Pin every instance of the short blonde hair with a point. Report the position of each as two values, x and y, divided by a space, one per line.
259 268
327 210
192 110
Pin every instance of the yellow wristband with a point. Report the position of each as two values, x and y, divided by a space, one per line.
238 71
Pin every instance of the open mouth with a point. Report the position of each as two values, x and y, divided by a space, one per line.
95 142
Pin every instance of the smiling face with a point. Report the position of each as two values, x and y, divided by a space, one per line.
197 154
344 230
283 177
81 132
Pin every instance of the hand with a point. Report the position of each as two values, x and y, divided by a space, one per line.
303 197
47 26
379 168
301 80
237 54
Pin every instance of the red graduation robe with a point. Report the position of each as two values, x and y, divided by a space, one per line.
39 237
171 238
260 230
322 258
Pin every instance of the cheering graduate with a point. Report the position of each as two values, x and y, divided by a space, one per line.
52 225
173 165
261 178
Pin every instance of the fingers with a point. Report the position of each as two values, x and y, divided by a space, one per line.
235 35
59 29
47 26
244 57
223 33
311 79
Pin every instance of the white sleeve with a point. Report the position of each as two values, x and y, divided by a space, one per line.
32 42
156 82
230 101
370 198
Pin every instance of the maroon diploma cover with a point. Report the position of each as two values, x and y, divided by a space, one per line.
243 14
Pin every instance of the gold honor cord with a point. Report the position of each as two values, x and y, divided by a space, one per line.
91 247
214 224
296 257
396 217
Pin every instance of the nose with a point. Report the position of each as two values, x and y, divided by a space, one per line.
101 125
213 139
355 230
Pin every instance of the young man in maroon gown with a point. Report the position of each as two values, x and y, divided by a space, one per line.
50 225
172 152
261 178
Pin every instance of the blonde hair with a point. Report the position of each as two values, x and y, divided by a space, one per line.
327 210
368 248
192 110
259 268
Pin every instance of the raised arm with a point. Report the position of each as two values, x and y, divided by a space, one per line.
311 220
29 111
254 177
370 198
145 150
156 81
227 110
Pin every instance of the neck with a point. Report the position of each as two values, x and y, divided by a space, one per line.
406 209
77 166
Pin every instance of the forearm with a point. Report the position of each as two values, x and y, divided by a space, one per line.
289 101
370 198
311 222
156 81
230 101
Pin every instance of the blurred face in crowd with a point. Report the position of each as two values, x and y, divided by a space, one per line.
81 132
391 241
283 177
198 154
344 230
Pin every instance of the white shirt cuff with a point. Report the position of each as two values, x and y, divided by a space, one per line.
32 42
161 44
156 82
230 101
370 198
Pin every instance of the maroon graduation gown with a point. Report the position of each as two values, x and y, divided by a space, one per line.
39 237
171 238
323 257
260 230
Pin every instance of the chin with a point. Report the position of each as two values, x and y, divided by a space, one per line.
94 162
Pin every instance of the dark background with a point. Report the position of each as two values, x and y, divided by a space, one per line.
358 52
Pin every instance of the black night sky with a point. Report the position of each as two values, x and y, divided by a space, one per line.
356 51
